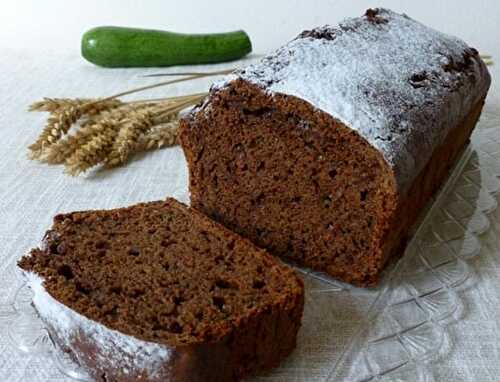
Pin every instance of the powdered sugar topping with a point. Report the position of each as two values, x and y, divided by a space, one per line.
398 83
125 352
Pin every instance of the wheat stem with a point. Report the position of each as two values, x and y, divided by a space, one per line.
188 73
170 82
171 99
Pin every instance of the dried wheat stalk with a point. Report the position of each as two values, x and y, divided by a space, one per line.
139 125
92 125
63 114
52 105
108 131
128 135
159 136
94 150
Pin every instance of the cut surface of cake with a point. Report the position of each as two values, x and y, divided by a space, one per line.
159 292
325 151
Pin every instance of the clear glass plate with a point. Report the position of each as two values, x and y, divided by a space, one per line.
389 333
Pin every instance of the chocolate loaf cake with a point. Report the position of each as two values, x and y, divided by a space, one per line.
159 292
326 151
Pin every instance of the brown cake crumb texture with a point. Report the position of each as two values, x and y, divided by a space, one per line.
286 178
162 273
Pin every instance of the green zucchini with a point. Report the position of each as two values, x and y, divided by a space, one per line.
131 47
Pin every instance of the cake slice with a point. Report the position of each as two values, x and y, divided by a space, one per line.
159 292
325 151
